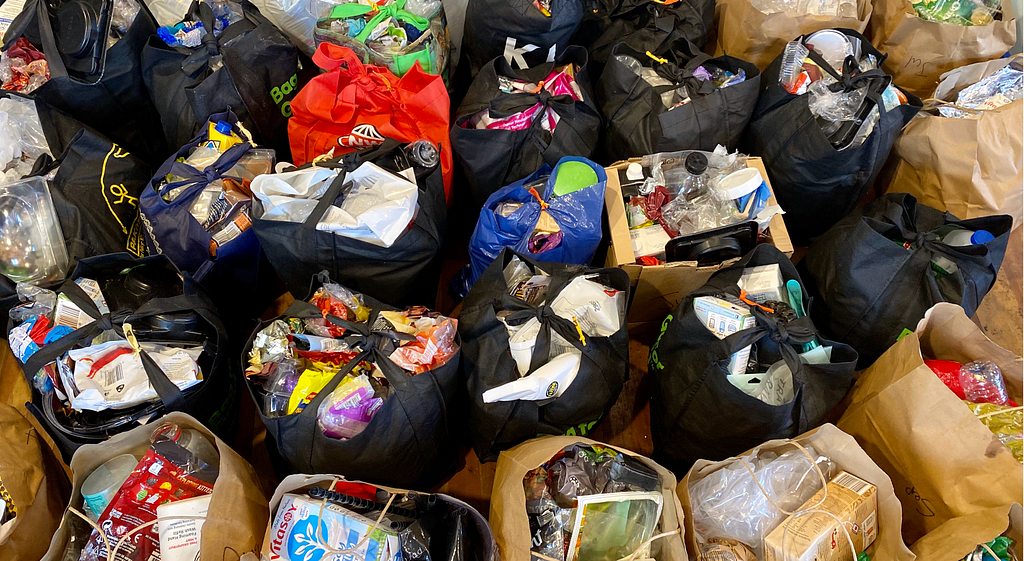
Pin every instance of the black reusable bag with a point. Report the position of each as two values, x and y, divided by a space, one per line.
644 25
517 31
816 184
261 73
637 121
493 158
411 440
166 311
110 97
871 274
487 362
95 193
696 413
406 273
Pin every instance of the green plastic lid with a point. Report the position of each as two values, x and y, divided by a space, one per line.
573 176
863 556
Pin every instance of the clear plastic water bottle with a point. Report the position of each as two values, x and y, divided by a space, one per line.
423 153
982 382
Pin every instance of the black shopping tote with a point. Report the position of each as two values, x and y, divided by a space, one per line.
872 276
816 183
99 85
162 305
409 443
697 413
637 121
487 362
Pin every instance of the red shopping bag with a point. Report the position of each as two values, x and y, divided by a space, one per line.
355 105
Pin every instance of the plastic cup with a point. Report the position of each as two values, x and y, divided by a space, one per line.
102 484
832 45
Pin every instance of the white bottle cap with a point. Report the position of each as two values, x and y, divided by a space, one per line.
739 183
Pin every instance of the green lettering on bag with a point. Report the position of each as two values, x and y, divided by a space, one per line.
904 334
286 109
653 361
278 93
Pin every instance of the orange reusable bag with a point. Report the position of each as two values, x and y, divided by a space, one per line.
355 105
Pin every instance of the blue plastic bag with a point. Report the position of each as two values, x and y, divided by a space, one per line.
578 215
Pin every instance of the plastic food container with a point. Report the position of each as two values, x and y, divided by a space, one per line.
99 488
31 242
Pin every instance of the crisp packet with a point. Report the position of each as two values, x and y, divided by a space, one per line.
1006 422
434 345
270 345
334 299
111 375
310 383
349 408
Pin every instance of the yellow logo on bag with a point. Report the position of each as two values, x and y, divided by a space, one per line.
552 388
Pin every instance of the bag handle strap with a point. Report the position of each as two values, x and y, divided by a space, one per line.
329 57
344 164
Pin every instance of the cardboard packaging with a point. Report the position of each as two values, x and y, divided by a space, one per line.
658 289
817 536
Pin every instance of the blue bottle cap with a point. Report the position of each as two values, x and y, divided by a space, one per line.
982 236
223 127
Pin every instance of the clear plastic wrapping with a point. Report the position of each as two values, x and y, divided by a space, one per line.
834 106
349 408
729 504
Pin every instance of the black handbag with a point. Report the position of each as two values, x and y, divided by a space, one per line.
487 362
872 278
260 74
637 121
101 87
406 273
162 305
494 158
410 442
644 25
816 183
697 413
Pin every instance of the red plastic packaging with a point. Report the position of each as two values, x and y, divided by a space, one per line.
949 372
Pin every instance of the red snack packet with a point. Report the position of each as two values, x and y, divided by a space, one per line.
155 481
949 372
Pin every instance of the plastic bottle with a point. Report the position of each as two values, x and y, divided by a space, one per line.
957 237
982 382
963 237
696 182
191 440
423 153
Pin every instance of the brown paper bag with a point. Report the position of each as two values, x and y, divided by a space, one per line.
508 499
950 542
841 448
748 34
301 482
238 507
944 463
921 51
36 484
969 166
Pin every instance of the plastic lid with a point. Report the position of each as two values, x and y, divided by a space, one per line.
982 236
223 127
740 183
696 163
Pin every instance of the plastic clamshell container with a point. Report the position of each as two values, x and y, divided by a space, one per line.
32 245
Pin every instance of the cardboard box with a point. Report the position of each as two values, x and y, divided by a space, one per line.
658 289
817 536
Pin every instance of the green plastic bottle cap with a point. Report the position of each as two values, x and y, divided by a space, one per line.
863 556
573 176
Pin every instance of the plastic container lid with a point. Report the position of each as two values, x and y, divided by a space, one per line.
740 183
696 163
223 127
832 45
982 236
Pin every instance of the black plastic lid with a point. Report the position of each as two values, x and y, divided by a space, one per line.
696 163
78 28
